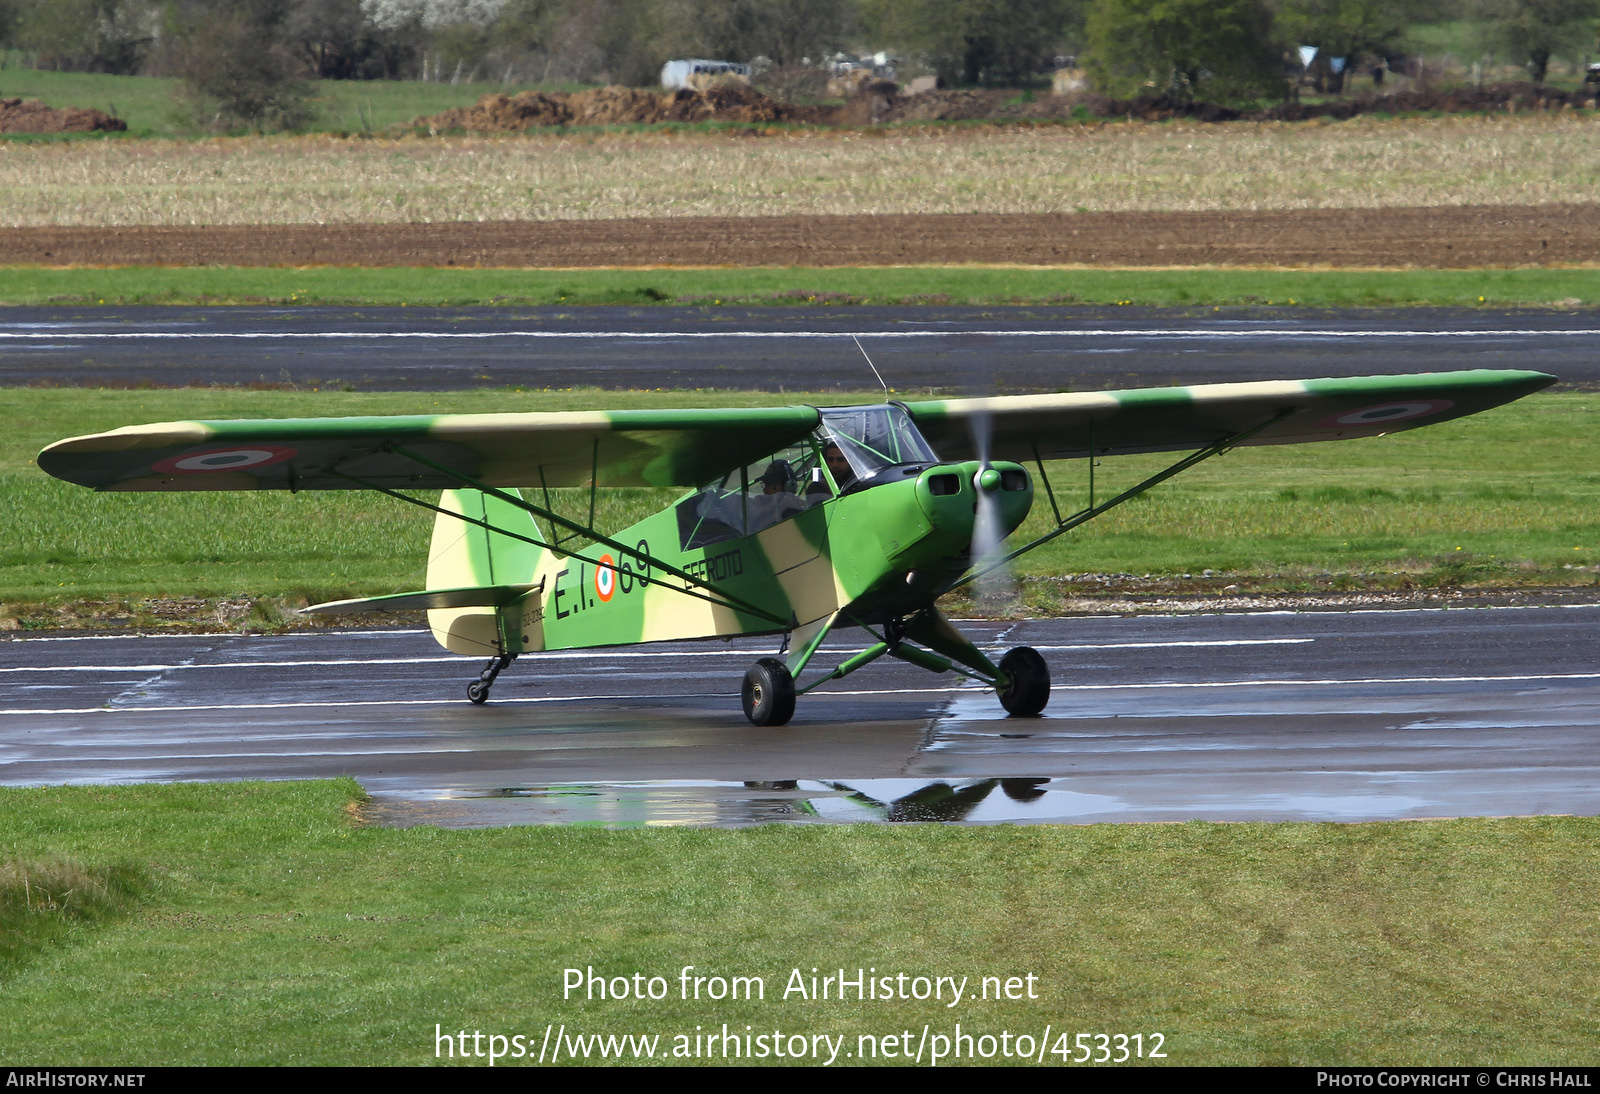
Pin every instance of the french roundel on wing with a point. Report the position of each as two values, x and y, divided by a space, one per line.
605 577
1384 413
238 458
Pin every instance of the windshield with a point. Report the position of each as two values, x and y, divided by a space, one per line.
872 438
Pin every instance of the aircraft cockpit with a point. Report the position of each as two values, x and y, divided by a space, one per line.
855 448
878 444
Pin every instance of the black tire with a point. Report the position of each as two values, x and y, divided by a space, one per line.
1027 687
768 693
478 692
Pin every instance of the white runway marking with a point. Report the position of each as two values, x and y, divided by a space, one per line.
1245 334
204 634
235 665
1184 615
1291 682
1285 683
1175 645
600 654
440 702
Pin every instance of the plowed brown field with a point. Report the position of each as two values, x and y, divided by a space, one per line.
1469 236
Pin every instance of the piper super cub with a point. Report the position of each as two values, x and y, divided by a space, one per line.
802 521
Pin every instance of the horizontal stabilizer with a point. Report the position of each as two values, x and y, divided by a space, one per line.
477 596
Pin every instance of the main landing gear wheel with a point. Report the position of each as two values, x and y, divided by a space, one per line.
768 693
1027 687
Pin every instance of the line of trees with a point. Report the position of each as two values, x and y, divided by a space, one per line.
251 52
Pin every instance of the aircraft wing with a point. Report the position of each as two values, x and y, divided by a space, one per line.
615 448
1066 426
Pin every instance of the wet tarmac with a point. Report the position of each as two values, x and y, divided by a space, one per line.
1340 716
1018 349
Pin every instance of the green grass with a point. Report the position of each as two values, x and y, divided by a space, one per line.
52 902
147 104
144 102
1506 498
839 286
277 931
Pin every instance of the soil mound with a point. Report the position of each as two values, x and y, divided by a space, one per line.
32 116
502 113
880 102
497 113
616 106
724 103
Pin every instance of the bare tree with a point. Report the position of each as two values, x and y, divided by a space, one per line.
1534 30
87 35
238 74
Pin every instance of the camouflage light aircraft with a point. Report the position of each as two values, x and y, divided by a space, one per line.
801 521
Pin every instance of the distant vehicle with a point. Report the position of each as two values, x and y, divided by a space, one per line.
1591 78
698 73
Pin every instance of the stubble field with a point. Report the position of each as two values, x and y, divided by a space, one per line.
1367 163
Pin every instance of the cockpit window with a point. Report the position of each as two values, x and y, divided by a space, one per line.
745 502
874 438
856 444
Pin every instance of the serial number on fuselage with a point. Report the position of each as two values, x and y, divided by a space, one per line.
599 581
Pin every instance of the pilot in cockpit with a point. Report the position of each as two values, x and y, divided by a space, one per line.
838 466
777 499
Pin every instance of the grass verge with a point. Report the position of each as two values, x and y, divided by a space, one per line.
149 106
283 931
54 902
1505 499
805 286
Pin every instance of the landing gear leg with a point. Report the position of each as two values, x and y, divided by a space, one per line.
478 690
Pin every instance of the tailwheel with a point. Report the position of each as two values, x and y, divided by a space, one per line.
1027 687
768 693
478 690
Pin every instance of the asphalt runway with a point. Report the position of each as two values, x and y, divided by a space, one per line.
1345 716
1020 349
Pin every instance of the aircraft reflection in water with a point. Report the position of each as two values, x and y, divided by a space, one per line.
711 803
939 801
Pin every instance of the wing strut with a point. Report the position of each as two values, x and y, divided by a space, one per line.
719 597
486 526
1088 513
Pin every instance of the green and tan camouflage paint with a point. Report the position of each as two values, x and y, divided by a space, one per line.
879 553
689 447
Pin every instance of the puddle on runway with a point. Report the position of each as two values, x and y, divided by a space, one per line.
738 805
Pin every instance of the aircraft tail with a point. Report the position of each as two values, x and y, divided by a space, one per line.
466 555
